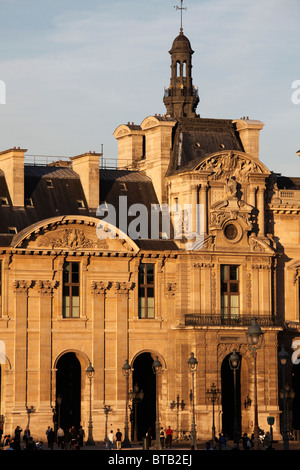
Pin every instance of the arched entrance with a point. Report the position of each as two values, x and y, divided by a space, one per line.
228 404
144 377
68 388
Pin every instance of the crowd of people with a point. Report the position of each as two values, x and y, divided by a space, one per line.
72 439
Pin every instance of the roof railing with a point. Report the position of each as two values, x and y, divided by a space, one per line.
63 161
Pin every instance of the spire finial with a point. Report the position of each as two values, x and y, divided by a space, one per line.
181 8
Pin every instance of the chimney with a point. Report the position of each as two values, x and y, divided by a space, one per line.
87 167
12 164
249 135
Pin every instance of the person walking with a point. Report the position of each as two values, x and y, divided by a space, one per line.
162 437
17 438
119 439
111 440
51 439
81 435
169 435
60 437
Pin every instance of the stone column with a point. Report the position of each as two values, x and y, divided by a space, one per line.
21 313
261 210
203 202
98 290
45 290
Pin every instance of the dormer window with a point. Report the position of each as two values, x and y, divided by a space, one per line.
49 183
28 202
80 204
12 230
3 201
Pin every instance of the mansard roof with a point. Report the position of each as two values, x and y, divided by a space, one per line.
52 191
196 138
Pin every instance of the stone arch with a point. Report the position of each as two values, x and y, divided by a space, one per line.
92 242
73 362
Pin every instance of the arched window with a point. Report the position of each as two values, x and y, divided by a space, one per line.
184 69
178 69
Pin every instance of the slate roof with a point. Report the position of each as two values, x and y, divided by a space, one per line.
55 191
196 138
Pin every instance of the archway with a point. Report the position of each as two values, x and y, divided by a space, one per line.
68 387
228 405
144 377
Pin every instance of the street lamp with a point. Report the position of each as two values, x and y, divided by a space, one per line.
234 362
157 368
136 396
283 360
213 394
59 400
90 371
178 405
192 365
254 337
107 410
126 369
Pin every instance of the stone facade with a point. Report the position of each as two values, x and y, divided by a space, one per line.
249 222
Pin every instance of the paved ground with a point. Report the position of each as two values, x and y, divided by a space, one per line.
181 446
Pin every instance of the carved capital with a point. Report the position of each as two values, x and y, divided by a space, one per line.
21 287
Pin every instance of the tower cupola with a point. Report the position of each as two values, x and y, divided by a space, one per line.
181 98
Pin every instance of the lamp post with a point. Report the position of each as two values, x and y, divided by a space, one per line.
234 362
59 400
136 396
192 366
90 371
283 360
157 368
126 369
107 410
178 405
254 337
213 394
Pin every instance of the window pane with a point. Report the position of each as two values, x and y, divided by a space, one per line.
150 274
234 287
234 273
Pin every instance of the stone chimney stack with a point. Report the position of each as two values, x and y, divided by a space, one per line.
249 135
12 164
87 167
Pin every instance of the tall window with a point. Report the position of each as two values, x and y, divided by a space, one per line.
229 291
71 290
146 290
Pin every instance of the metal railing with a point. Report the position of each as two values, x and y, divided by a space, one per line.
105 163
238 321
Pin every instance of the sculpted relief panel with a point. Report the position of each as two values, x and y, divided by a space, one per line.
72 235
231 164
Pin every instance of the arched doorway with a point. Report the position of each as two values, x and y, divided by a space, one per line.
144 377
228 404
68 387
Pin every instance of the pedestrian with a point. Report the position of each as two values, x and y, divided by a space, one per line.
119 439
169 434
60 436
74 437
81 435
162 437
111 440
1 432
26 435
223 442
17 438
47 434
149 436
246 441
51 438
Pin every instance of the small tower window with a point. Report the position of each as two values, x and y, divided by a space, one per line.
184 69
177 69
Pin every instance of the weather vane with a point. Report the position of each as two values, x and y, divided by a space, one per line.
181 8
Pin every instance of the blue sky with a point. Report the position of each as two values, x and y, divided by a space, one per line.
76 70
